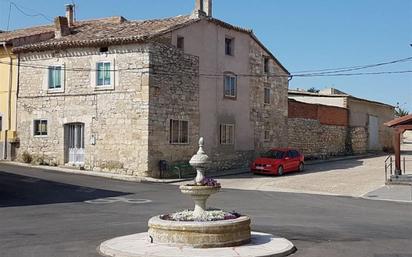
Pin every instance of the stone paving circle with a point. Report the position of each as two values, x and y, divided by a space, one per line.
138 245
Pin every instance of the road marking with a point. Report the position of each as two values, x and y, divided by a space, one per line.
109 200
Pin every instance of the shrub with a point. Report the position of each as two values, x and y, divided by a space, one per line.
26 157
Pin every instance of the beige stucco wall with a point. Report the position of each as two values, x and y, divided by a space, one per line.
359 112
207 40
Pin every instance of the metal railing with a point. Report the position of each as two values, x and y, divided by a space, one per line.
389 166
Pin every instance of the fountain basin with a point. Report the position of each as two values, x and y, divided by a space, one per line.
204 234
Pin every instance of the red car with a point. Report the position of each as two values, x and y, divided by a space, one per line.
278 161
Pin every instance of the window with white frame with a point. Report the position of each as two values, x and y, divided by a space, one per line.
227 134
267 95
103 74
179 132
230 84
40 127
55 77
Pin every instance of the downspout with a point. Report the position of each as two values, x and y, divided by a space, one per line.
9 101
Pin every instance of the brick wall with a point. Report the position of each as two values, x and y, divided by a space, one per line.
318 131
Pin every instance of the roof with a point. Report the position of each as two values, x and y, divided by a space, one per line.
116 30
338 95
405 120
8 36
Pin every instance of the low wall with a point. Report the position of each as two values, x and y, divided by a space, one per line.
316 140
318 131
358 140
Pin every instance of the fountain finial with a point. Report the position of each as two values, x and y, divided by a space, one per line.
200 161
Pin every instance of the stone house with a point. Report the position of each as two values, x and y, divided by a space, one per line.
366 118
119 96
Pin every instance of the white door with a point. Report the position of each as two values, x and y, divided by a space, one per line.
373 129
75 143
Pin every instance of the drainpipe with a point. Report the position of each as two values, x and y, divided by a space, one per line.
9 101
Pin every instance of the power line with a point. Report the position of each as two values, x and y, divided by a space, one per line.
36 14
353 68
211 75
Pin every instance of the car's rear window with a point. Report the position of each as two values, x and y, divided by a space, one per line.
273 154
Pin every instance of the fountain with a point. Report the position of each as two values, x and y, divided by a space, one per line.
201 232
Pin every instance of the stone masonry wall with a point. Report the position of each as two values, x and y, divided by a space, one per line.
316 140
116 117
174 94
358 140
268 117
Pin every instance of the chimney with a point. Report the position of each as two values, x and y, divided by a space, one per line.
207 5
203 8
61 27
70 14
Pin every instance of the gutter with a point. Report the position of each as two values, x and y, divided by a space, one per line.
9 101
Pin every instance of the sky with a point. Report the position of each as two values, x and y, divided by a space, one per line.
302 34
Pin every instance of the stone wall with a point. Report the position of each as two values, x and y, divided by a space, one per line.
267 117
316 140
116 118
319 131
174 94
358 140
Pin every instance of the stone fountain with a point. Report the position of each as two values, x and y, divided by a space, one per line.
199 235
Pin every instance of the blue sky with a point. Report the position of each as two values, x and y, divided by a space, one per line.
303 34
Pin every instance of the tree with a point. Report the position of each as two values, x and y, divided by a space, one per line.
313 90
399 112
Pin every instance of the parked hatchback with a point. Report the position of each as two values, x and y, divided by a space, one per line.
279 161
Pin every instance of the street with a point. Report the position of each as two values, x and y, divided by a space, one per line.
45 213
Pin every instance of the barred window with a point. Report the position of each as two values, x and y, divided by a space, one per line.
227 132
179 132
40 127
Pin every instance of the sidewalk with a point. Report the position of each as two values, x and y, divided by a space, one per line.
214 174
396 193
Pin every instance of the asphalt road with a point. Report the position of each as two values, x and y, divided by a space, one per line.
48 214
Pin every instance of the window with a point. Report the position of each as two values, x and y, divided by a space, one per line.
266 64
230 85
179 132
180 43
267 136
55 77
1 123
40 128
229 46
267 95
103 74
104 49
227 132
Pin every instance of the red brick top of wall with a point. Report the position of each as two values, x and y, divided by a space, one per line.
326 115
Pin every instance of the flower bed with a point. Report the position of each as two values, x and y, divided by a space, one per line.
210 215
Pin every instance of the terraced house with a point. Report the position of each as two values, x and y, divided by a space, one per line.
8 83
118 95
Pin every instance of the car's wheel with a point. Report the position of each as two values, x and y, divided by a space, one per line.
301 167
280 170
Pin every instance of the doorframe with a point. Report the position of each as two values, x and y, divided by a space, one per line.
66 141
